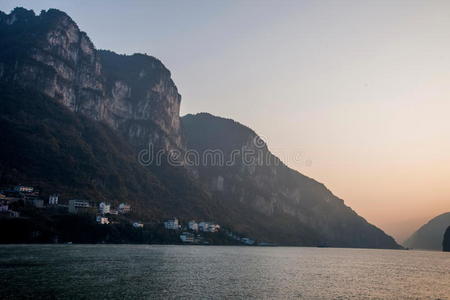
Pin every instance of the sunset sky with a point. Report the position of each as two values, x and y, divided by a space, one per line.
355 94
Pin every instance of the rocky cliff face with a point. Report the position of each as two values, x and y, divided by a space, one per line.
251 179
141 93
50 54
73 117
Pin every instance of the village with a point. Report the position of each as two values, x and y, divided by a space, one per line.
19 198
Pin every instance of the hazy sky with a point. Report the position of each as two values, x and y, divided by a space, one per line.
361 89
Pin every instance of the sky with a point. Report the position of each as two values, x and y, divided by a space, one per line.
355 94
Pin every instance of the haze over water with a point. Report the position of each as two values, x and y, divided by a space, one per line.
144 272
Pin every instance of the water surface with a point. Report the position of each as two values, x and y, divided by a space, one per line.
148 272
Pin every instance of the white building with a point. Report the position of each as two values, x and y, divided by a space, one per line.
13 213
203 226
123 208
53 199
76 206
104 208
214 227
4 207
192 225
138 225
24 189
102 220
208 227
172 224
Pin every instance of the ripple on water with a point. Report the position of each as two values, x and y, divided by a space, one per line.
143 271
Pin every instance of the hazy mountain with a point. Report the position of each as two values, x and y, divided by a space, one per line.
74 118
430 235
269 188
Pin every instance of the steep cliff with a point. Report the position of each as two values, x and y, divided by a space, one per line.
73 120
141 90
74 117
253 181
50 54
46 145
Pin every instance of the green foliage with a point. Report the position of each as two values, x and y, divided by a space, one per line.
44 144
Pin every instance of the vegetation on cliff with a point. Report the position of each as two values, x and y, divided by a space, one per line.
73 120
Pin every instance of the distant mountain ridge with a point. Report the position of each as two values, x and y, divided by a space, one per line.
430 235
74 118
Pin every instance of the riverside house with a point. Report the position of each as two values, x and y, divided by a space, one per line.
124 208
78 206
104 208
172 224
102 220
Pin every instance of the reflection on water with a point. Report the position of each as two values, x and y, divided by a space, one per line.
140 271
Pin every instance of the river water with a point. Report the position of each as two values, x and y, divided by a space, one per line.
161 272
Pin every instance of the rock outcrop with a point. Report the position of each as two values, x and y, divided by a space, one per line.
127 101
50 54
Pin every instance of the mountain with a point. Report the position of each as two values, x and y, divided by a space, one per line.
47 145
76 120
259 183
50 54
72 118
429 236
446 240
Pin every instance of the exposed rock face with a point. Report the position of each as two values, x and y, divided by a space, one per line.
46 145
133 94
141 94
429 236
255 182
446 241
113 101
